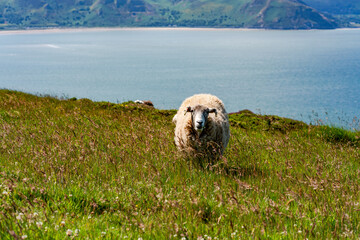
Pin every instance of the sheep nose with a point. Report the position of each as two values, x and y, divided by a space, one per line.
200 122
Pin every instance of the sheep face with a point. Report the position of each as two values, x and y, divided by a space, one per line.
199 116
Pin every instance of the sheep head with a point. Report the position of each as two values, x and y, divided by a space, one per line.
199 116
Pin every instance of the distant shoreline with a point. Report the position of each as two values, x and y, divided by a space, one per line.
106 29
95 29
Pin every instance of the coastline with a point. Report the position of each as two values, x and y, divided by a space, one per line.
106 29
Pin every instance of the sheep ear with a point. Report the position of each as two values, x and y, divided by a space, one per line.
188 109
174 120
213 110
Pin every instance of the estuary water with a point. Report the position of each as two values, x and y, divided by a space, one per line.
304 75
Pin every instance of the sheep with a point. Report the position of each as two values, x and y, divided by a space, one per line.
145 102
202 126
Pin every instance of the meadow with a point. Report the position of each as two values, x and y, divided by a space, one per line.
74 168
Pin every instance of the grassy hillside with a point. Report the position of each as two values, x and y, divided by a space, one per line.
97 170
278 14
336 6
347 12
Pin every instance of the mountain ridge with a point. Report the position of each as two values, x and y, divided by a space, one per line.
268 14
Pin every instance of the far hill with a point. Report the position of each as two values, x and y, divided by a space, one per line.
336 6
347 12
270 14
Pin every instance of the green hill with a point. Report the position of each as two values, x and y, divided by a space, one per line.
98 170
272 14
347 12
336 6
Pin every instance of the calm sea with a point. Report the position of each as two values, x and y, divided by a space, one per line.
305 75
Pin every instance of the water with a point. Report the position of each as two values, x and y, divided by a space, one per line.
305 75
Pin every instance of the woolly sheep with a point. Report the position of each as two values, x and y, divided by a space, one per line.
202 126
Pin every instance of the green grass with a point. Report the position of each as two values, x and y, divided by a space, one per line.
111 171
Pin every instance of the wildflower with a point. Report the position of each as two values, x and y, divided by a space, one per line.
89 216
35 214
62 224
23 236
69 232
56 227
103 233
39 224
183 238
77 231
19 217
140 238
5 193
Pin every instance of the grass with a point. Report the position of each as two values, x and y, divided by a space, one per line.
97 170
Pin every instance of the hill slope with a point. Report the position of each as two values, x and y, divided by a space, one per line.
347 12
336 6
276 14
101 170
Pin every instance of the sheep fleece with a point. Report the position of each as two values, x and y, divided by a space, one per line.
216 128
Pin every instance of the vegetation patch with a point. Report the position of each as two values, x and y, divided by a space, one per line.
340 135
248 120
